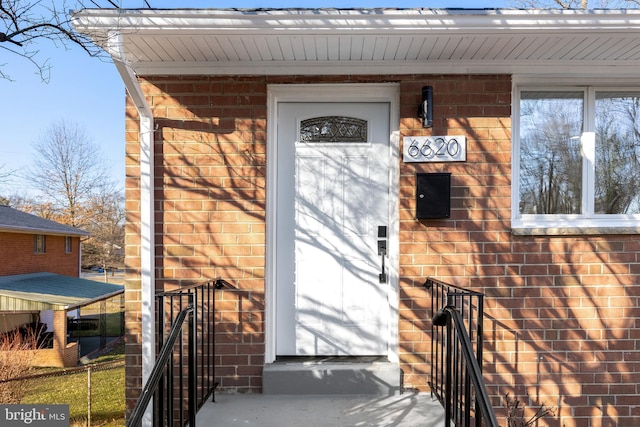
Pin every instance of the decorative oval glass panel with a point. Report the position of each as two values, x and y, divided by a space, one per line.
333 129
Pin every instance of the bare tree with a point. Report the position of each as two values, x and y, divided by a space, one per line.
5 183
43 209
106 217
26 23
5 174
68 170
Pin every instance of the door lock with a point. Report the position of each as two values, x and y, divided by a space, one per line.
382 247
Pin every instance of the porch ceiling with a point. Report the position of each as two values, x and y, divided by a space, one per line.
369 41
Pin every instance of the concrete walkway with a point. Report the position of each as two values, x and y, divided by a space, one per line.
407 410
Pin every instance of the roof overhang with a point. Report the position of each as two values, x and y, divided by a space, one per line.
369 41
48 291
16 221
48 232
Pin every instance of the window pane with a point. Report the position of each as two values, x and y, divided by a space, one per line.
333 129
617 186
39 244
550 158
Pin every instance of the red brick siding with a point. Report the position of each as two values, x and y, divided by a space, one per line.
63 354
561 312
17 256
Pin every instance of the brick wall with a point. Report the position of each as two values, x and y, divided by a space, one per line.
562 312
62 355
210 200
66 357
17 256
479 108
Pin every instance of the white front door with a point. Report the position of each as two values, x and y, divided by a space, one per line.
333 208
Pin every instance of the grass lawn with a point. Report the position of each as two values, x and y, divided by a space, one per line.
107 393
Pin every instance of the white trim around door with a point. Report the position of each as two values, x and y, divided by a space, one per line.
384 92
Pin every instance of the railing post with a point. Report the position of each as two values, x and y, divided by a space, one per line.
448 395
454 317
158 370
192 377
474 371
441 319
168 374
158 400
479 344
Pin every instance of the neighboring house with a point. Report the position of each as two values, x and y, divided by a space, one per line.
268 147
31 244
40 285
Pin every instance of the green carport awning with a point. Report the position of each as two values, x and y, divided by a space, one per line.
48 291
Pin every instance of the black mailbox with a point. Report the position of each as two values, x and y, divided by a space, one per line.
433 195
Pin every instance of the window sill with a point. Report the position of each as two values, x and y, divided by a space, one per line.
573 231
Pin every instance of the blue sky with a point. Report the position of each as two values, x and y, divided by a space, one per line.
89 92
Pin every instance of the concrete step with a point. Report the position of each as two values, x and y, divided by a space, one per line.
409 409
333 375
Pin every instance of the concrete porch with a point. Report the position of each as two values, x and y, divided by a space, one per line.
326 392
408 409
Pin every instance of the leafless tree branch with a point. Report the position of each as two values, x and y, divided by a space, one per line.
26 24
68 170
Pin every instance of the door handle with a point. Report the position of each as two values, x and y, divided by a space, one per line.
382 251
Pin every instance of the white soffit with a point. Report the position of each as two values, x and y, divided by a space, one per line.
371 41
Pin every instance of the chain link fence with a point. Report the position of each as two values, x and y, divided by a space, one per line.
94 393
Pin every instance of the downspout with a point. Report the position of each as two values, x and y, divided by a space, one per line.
147 262
79 256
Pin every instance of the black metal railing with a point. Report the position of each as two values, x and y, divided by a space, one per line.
182 378
159 371
456 355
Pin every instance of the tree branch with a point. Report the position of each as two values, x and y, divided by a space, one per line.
69 35
23 23
5 38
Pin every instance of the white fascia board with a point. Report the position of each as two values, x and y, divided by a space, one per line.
47 232
385 67
355 20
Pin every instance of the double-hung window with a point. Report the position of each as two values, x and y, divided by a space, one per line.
39 243
576 160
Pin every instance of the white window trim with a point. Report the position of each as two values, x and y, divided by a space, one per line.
587 223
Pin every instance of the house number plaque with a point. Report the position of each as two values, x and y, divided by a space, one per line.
434 149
